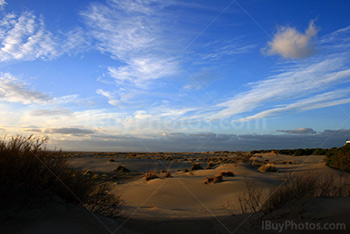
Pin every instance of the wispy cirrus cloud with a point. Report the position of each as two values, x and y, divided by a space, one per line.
16 91
291 44
130 32
214 51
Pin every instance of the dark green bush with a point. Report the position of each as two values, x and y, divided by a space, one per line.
339 158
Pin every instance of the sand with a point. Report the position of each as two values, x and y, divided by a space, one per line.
180 204
185 195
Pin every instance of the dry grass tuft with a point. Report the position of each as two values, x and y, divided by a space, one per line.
297 187
268 168
151 175
214 179
121 168
217 179
211 165
227 174
209 180
104 203
167 175
196 166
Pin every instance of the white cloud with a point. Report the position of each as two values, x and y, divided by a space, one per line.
291 44
112 100
129 32
25 38
2 4
14 90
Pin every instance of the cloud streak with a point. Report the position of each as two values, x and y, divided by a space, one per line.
15 91
298 131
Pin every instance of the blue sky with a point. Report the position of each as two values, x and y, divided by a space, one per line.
176 75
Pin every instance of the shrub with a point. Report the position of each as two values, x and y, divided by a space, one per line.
210 165
111 160
104 203
208 180
121 168
294 187
167 174
339 158
151 175
196 166
214 179
217 179
268 168
29 173
252 199
227 174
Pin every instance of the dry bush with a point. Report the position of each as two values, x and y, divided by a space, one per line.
227 174
209 180
214 179
217 179
256 163
29 173
111 160
151 175
252 199
196 166
104 203
210 165
294 187
121 168
268 168
167 174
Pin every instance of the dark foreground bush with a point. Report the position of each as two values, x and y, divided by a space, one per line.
29 173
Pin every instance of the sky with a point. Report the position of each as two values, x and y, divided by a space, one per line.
176 75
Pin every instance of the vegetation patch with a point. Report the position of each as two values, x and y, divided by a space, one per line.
227 174
196 166
268 168
339 158
121 168
151 175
